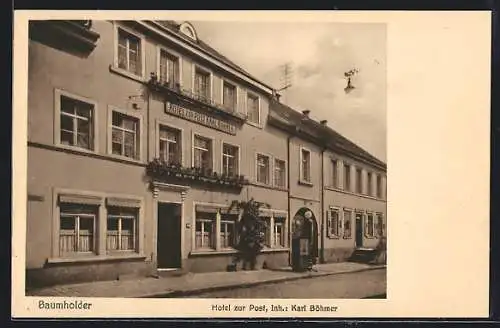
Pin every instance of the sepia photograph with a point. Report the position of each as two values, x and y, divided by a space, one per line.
250 164
206 159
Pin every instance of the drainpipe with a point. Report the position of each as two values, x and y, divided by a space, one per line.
288 139
322 205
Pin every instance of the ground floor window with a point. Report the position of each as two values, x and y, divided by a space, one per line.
369 225
333 223
121 234
279 233
380 225
227 233
77 229
347 224
205 228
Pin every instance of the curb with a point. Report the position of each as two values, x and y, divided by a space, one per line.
180 293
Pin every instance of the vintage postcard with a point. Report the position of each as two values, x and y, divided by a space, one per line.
251 164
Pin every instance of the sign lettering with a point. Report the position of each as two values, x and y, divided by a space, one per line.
200 118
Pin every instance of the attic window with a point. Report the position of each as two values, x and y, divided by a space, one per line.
188 30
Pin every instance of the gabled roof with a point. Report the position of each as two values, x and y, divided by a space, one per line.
175 27
293 121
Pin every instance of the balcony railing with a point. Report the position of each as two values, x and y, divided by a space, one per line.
174 88
165 172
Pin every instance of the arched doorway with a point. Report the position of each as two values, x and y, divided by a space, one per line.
304 236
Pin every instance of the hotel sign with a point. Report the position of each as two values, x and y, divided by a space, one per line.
199 118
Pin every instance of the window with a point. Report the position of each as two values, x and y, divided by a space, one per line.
263 171
125 135
279 233
347 177
379 186
335 182
202 84
202 153
77 229
76 123
205 227
369 225
369 190
347 224
267 231
169 69
253 110
229 96
230 155
280 173
333 223
170 145
305 165
380 225
121 233
228 231
359 181
129 52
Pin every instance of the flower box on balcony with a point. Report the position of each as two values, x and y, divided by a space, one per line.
162 171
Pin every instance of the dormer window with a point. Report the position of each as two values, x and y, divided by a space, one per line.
188 30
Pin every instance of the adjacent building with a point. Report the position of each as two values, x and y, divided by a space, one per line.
140 136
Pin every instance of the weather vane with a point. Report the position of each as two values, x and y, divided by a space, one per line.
348 75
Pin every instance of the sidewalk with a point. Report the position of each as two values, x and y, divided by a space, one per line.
194 283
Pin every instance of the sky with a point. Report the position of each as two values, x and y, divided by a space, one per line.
319 54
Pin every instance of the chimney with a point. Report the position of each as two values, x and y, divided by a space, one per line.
306 112
323 122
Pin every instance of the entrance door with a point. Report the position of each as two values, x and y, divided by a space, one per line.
169 236
359 230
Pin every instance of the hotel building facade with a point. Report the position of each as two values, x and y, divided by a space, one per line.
140 136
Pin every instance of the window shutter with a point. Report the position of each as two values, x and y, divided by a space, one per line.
329 223
365 218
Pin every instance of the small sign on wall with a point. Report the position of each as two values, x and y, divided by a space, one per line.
188 225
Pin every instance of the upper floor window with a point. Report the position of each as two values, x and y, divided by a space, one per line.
335 182
379 186
76 123
369 187
347 177
263 172
202 152
125 135
230 155
253 109
280 173
169 68
229 96
202 84
359 181
129 52
170 145
305 165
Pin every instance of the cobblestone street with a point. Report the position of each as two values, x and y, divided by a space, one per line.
351 285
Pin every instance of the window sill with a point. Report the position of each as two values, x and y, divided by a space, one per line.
268 186
200 252
127 74
254 124
96 258
126 159
77 149
334 237
352 193
305 183
275 250
347 237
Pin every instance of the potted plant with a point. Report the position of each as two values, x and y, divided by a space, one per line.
250 228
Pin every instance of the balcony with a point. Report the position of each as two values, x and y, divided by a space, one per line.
187 96
67 35
177 174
